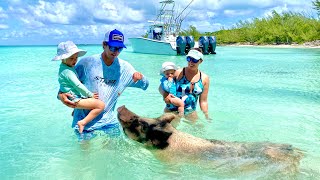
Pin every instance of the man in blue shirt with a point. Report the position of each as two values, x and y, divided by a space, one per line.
107 75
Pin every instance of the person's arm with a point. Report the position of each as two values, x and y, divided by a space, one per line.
134 78
203 101
166 96
140 81
77 85
166 84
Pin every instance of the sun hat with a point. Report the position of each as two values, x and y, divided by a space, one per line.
66 50
167 66
195 54
114 38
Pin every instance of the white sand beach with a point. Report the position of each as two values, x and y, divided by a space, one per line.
314 44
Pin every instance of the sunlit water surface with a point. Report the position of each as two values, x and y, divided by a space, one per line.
256 94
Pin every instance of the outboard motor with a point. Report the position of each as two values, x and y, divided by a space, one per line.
190 43
203 44
212 44
181 45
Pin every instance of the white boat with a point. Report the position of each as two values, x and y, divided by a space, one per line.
152 46
162 33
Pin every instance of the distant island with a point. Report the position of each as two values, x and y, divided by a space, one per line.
283 30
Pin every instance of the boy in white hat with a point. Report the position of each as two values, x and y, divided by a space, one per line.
68 53
168 84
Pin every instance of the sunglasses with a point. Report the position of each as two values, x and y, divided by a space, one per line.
192 59
114 49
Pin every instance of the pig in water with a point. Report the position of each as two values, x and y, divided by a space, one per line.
172 145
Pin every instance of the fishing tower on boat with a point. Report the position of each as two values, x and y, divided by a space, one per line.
163 35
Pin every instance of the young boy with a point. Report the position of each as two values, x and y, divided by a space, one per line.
168 84
68 53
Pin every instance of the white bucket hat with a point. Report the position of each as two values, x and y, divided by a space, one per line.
67 49
195 54
167 66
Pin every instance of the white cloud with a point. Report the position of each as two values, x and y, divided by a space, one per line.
109 11
4 26
278 9
58 12
211 14
2 13
203 4
30 22
233 13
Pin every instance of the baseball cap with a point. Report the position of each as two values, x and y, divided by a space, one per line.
114 38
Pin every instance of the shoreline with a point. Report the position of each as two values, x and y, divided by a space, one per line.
305 45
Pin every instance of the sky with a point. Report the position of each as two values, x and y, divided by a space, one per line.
48 22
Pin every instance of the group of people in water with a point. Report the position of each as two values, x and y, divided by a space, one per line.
93 85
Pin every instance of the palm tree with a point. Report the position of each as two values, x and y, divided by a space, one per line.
316 5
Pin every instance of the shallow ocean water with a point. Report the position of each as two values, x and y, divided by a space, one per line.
256 94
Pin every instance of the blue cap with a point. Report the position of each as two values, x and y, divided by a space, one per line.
114 38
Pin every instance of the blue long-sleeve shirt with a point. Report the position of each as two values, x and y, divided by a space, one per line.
109 82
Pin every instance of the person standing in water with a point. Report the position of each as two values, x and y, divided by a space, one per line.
108 75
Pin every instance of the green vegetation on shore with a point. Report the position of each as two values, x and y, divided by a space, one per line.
286 28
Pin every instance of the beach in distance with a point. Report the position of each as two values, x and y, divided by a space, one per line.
313 44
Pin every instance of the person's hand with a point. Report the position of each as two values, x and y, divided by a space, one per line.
96 95
65 100
170 79
167 99
137 76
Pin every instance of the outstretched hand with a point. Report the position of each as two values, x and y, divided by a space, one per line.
65 100
137 76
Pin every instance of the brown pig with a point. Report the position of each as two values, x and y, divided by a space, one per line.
172 145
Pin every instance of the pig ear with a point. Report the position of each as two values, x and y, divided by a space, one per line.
159 137
168 117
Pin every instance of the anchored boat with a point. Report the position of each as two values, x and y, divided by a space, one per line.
162 36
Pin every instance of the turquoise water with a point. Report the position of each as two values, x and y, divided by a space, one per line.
256 94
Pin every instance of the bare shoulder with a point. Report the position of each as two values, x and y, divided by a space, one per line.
204 76
177 73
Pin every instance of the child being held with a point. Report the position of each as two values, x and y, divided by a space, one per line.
168 85
68 53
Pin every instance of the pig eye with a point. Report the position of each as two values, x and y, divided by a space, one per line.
144 125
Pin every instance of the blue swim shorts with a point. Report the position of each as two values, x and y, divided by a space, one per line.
112 130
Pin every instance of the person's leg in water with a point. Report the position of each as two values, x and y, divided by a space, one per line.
96 106
179 103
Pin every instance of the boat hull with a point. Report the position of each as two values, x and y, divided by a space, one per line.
150 46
